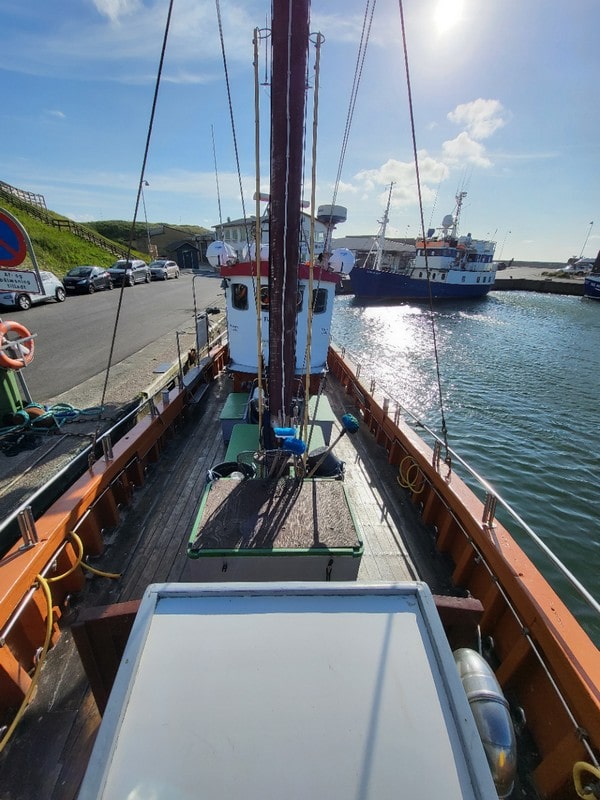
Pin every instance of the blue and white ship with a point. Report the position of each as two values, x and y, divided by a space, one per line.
591 284
445 267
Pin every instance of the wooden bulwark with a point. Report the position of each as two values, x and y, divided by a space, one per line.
90 505
546 661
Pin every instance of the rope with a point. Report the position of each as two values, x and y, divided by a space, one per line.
79 562
422 221
417 485
44 584
256 281
58 415
231 117
311 261
360 59
137 205
36 675
212 133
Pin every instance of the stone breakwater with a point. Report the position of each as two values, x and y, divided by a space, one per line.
535 279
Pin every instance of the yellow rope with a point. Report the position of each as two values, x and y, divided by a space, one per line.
404 479
81 562
45 586
587 792
34 681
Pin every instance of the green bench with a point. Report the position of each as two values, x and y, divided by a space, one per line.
244 438
233 413
325 418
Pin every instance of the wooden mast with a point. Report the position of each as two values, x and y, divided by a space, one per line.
290 30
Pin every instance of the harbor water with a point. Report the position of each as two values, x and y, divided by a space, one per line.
520 380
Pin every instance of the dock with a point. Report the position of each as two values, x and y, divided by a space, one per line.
536 279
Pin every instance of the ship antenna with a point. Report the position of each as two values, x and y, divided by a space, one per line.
422 221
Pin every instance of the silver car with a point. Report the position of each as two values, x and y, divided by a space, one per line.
161 269
53 289
129 272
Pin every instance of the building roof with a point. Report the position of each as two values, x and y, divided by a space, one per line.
365 243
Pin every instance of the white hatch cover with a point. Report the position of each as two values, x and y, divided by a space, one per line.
287 691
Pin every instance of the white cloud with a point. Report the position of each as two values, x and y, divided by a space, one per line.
56 113
402 173
116 9
480 117
463 149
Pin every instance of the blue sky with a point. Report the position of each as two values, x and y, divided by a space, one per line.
505 93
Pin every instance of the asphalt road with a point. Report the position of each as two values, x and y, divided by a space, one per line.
73 338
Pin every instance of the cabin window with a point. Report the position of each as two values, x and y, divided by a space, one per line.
264 298
319 301
443 276
239 296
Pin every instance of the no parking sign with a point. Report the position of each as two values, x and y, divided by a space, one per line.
13 248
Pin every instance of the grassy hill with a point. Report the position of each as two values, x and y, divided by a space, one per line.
59 250
118 230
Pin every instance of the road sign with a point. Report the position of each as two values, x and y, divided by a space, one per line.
13 248
18 280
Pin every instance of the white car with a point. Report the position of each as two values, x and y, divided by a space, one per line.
161 269
53 290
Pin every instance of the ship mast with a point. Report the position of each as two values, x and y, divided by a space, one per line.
290 30
382 228
459 201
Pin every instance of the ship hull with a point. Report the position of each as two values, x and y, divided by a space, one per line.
375 285
591 287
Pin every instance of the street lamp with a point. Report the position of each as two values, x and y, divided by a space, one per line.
145 183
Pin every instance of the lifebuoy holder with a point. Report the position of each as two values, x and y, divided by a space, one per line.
23 345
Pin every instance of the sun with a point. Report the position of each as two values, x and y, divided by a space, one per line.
447 14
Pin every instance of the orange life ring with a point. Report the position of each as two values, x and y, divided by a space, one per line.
24 348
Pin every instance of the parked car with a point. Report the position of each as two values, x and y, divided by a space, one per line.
87 279
161 269
129 272
53 289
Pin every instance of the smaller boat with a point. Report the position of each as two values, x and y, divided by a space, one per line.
445 267
591 284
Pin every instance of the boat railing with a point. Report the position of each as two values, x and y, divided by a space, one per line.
491 497
104 441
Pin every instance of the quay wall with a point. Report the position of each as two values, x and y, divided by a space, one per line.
535 279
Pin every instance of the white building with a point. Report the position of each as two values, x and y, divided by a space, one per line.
239 233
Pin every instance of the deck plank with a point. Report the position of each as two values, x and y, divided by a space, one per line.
149 546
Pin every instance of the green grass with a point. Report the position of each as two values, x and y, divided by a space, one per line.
118 230
58 250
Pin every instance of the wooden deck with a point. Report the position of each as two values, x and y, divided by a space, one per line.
49 750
